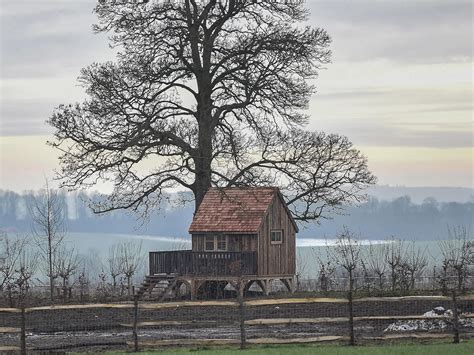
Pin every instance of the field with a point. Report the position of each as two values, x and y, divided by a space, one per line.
405 349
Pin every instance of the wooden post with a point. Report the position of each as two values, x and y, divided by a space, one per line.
351 311
455 318
135 323
23 331
240 299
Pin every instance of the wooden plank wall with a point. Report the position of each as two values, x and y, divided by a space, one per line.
277 259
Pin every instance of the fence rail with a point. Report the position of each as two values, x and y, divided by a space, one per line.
190 323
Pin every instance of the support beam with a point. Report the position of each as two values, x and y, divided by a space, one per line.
265 286
249 284
289 284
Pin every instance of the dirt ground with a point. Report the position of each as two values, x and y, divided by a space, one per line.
96 329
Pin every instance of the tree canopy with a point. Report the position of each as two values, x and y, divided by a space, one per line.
206 93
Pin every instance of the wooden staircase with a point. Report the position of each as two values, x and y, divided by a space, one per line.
158 286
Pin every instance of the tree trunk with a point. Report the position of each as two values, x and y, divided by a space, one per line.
351 310
455 318
129 285
203 158
50 262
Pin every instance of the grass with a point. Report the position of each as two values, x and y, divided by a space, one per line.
400 349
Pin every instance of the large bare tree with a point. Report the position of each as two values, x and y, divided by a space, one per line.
206 93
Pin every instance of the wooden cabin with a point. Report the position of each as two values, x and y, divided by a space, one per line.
239 236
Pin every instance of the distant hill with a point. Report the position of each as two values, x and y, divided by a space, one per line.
418 194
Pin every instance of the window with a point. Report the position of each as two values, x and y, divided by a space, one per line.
221 243
276 236
209 243
215 243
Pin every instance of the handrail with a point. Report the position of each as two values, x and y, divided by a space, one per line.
188 262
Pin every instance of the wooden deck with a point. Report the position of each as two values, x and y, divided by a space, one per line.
191 263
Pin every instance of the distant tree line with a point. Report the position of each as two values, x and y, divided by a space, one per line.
374 219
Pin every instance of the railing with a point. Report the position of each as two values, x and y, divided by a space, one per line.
188 262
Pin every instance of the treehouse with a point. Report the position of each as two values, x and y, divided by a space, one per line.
240 236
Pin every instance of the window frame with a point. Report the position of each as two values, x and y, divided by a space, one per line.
215 240
221 239
207 238
280 241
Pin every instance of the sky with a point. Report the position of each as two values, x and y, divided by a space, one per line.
399 85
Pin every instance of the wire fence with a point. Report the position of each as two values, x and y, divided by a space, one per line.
143 325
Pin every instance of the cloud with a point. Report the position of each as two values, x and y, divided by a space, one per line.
47 38
404 31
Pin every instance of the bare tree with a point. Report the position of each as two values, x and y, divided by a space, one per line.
115 266
11 250
347 254
84 282
27 265
47 213
456 253
376 261
301 269
415 263
326 270
66 263
213 93
395 259
17 266
131 259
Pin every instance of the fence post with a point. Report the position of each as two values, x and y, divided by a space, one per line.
240 299
23 331
135 323
350 304
455 318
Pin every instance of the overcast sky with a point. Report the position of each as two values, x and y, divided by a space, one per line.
400 85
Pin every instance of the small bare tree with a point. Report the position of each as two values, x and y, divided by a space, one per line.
47 213
415 263
11 249
131 259
83 281
347 254
27 265
301 268
395 259
115 267
17 266
376 261
66 264
456 254
326 271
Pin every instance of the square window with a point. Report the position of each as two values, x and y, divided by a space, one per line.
221 243
209 243
276 237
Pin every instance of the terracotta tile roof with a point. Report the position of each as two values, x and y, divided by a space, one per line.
232 210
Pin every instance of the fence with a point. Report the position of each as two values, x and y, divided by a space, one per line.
143 325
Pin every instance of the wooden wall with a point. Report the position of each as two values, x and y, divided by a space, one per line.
277 259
